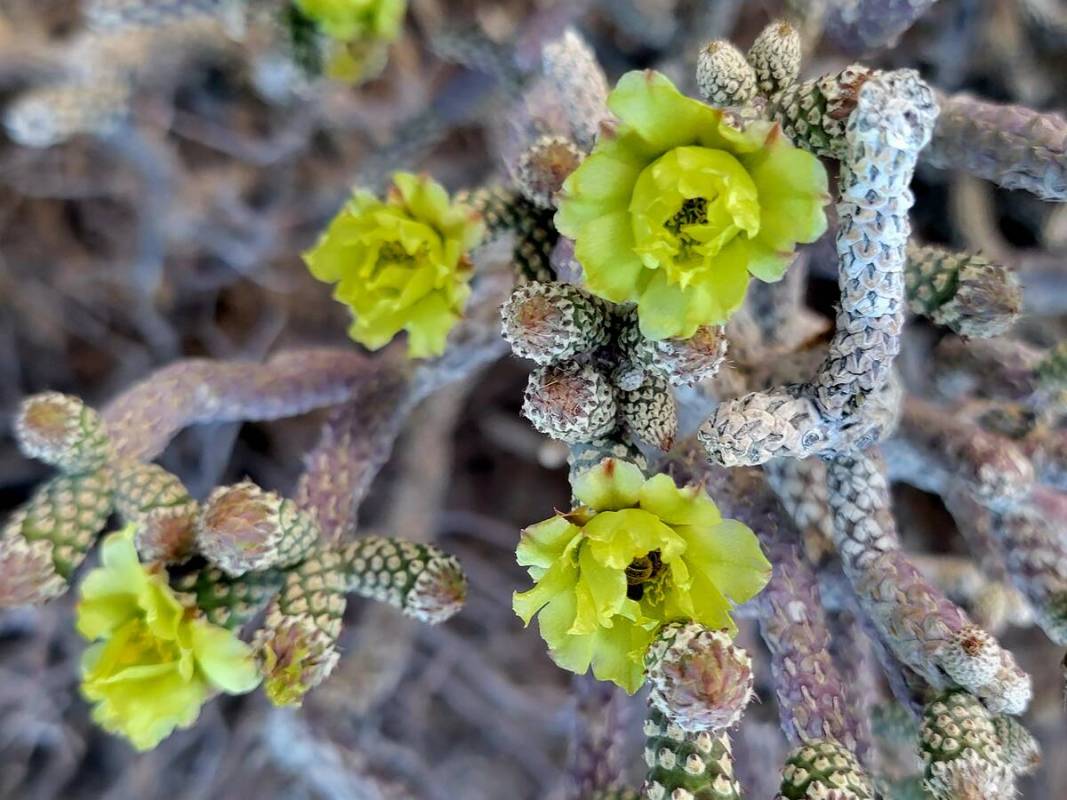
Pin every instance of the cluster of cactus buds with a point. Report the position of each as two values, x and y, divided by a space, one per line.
727 77
598 377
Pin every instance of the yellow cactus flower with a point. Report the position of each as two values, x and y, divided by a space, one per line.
155 661
360 30
401 264
678 206
636 554
348 20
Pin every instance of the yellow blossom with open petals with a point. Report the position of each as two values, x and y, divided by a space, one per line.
678 206
400 264
154 661
635 554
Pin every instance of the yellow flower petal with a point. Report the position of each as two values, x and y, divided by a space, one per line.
679 206
156 662
611 484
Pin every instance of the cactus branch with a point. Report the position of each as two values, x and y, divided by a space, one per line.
143 419
887 129
1013 146
922 628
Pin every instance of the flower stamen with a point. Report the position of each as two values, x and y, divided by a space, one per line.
694 211
642 570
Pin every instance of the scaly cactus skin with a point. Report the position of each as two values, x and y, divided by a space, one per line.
506 211
550 322
103 64
419 579
864 25
356 440
1021 749
297 645
687 766
570 402
824 769
966 293
921 626
142 420
801 489
28 575
814 113
571 69
682 362
535 239
884 136
951 450
51 535
226 601
1012 146
649 413
63 432
52 114
701 680
104 15
1035 555
885 132
243 528
775 57
812 699
159 504
501 208
596 760
45 540
962 754
724 77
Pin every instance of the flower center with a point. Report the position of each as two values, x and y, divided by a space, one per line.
694 211
394 253
687 206
139 646
641 571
